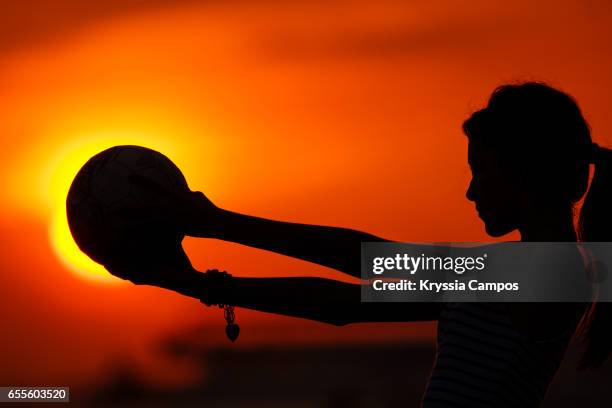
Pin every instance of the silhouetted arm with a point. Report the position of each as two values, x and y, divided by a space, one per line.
192 213
323 300
337 248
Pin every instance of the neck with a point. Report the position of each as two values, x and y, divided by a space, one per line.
546 224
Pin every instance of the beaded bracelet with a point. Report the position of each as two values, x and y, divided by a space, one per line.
218 282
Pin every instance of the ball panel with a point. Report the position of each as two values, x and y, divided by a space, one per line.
158 176
110 183
134 157
88 227
174 174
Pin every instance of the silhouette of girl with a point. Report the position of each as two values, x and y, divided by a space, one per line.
529 152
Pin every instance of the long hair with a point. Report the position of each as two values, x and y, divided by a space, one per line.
540 133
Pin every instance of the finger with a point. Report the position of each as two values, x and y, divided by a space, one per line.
121 273
135 275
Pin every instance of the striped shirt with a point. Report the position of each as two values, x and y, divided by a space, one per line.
482 360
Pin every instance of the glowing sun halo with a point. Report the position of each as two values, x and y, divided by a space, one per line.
64 170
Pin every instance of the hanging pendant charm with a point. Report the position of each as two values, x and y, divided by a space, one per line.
219 283
232 330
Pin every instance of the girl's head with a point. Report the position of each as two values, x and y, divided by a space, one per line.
529 150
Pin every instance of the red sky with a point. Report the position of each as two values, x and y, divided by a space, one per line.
323 112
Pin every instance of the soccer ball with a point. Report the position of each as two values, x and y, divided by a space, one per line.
102 195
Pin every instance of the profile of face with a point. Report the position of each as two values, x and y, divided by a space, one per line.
495 190
528 150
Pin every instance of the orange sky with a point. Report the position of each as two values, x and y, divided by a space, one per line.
292 111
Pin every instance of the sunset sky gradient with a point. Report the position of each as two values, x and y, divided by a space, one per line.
326 112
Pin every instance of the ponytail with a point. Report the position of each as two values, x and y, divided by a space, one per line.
595 225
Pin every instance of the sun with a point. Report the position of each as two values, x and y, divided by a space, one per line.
67 164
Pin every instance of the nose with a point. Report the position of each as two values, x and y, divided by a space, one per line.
470 194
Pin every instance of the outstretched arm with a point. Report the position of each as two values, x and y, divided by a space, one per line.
337 248
194 214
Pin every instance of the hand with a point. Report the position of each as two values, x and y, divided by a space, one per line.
150 255
184 211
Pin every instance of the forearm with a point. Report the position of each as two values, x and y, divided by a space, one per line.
318 299
337 248
322 300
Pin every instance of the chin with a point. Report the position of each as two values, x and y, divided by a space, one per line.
496 231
